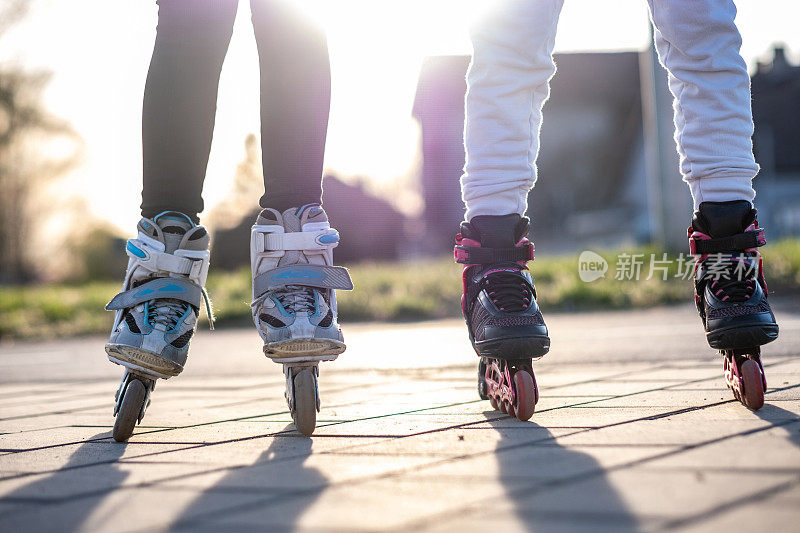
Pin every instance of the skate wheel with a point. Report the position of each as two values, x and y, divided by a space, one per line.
129 410
304 414
525 395
753 382
503 406
493 403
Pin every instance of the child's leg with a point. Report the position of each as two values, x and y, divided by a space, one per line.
163 291
294 278
698 43
295 100
507 85
180 102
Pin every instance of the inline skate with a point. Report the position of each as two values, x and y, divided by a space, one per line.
294 303
731 293
157 310
504 323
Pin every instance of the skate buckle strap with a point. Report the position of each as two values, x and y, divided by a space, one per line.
300 240
476 255
158 261
734 243
320 276
175 288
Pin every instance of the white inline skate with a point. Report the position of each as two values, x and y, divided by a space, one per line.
294 303
157 310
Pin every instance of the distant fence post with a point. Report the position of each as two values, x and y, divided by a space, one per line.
669 202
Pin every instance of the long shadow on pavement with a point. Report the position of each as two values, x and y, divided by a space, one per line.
65 499
778 417
272 493
553 487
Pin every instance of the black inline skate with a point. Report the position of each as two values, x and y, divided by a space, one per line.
731 293
499 305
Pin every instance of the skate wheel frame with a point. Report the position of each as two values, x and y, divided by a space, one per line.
302 396
744 375
133 397
510 386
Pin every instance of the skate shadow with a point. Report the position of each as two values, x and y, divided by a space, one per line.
272 493
65 499
778 418
553 487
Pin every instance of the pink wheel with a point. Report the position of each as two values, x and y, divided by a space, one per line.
525 395
753 384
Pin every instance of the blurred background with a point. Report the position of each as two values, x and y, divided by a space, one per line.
72 76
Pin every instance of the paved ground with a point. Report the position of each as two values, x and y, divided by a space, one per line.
635 431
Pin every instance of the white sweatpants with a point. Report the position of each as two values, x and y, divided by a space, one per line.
508 83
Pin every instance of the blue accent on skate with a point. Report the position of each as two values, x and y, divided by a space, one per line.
179 289
176 215
135 251
300 210
329 239
174 329
300 275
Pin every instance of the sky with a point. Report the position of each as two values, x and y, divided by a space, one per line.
99 51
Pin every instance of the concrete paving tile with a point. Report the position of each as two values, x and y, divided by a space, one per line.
49 437
775 448
455 443
297 469
536 463
210 433
744 517
525 520
73 483
381 504
625 500
155 510
587 416
239 452
55 458
672 431
664 398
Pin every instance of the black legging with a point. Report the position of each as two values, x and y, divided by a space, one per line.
180 102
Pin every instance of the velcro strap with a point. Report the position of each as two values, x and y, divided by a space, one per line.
475 255
157 261
734 243
322 277
176 288
300 240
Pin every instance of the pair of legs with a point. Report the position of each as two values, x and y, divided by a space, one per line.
181 97
508 83
294 304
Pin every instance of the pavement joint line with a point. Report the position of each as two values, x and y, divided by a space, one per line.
540 486
750 499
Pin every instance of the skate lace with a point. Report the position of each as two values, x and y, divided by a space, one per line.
166 312
727 282
509 291
296 298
